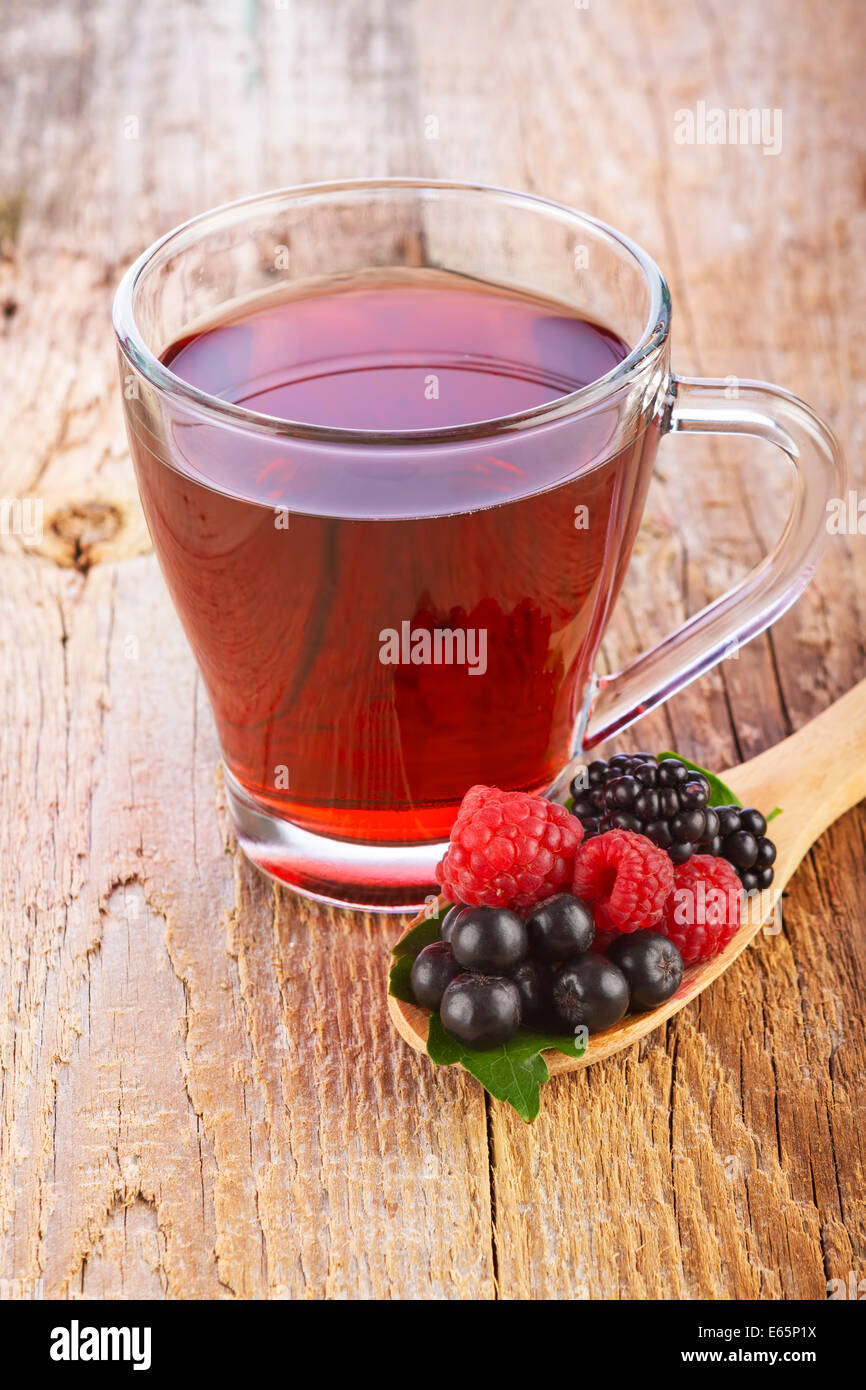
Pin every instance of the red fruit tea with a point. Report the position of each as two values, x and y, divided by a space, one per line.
382 622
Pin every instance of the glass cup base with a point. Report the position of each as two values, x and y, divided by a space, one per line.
341 873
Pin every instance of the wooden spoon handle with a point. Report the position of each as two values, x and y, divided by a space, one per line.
816 775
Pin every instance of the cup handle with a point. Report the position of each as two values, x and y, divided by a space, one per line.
762 411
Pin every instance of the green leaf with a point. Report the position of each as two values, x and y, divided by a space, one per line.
441 1047
514 1072
720 795
399 979
427 931
406 950
776 811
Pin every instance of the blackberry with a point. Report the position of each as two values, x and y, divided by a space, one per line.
729 820
620 793
622 820
667 801
753 821
646 804
711 825
681 851
687 827
740 849
766 853
670 804
660 833
744 843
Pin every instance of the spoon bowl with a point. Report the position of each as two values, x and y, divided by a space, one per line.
816 775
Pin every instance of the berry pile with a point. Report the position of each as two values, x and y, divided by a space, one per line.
566 920
563 922
669 804
493 971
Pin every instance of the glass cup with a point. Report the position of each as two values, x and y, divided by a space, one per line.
311 565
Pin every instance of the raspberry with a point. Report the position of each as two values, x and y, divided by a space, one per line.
625 878
508 849
703 912
602 940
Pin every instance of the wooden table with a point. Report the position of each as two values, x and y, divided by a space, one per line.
202 1096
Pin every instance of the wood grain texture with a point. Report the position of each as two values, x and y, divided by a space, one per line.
202 1095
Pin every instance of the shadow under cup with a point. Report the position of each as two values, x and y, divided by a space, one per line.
383 618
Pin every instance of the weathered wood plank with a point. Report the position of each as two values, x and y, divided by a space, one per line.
182 1037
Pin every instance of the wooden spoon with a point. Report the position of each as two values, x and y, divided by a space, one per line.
816 775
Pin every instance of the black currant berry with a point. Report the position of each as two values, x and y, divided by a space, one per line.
532 985
433 969
560 927
481 1011
765 875
652 965
449 919
590 992
581 806
749 880
492 939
